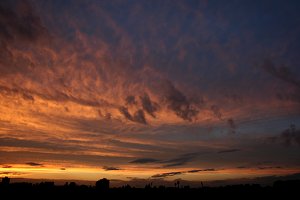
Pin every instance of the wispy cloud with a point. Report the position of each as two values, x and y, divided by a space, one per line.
163 175
168 174
6 166
144 161
201 170
107 168
180 160
34 164
13 173
229 150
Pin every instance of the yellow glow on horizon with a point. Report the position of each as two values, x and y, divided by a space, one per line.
56 172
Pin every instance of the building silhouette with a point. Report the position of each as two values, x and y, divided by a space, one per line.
48 190
5 181
102 184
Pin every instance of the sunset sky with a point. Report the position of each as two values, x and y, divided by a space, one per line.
139 89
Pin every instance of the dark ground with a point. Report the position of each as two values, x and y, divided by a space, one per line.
47 190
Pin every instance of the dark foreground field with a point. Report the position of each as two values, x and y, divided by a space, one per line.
47 190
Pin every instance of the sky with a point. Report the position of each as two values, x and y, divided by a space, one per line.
149 90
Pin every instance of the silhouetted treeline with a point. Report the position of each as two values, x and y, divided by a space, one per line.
48 190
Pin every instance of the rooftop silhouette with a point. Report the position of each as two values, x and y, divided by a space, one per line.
102 189
102 184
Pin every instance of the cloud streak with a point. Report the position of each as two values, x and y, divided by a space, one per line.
34 164
107 168
144 161
180 160
168 174
229 151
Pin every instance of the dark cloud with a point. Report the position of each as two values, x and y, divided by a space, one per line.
19 26
285 74
125 113
28 97
138 146
290 136
12 173
163 175
232 126
194 171
130 100
241 167
229 150
6 166
291 96
178 102
216 111
139 117
20 22
34 164
208 170
149 106
282 72
201 170
144 161
269 167
107 168
287 137
263 165
180 160
63 168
